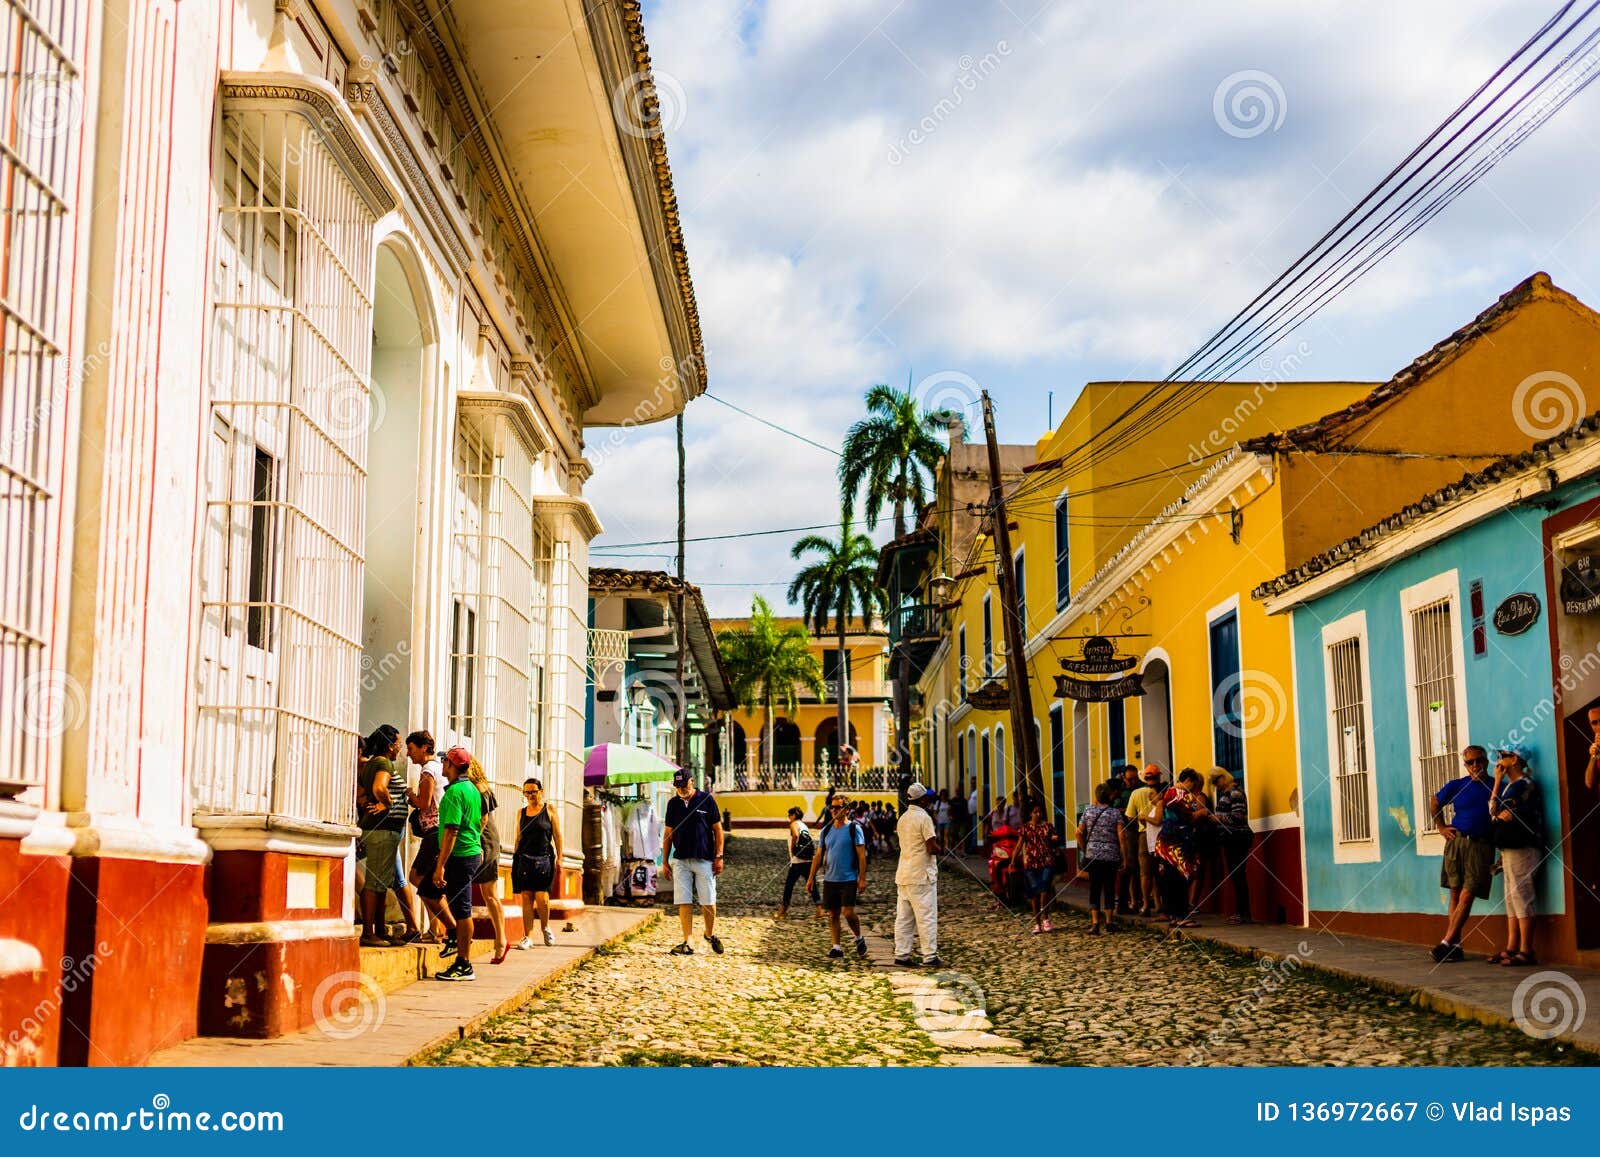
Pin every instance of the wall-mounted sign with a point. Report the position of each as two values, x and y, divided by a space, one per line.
1096 691
994 695
1516 613
1100 658
1580 586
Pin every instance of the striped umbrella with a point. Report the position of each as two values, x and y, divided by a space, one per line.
617 763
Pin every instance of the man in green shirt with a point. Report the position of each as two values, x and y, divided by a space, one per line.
460 854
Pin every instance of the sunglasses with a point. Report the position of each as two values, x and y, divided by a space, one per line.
1476 762
837 806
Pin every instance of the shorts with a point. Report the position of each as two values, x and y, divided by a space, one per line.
694 880
1518 866
838 894
422 866
383 850
1468 865
458 874
1036 881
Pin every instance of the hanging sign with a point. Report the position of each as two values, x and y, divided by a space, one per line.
1580 587
1516 613
1100 658
994 695
1099 691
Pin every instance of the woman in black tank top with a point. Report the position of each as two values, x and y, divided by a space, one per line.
536 860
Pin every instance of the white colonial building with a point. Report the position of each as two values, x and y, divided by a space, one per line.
307 304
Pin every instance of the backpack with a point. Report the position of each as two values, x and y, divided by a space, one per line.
805 844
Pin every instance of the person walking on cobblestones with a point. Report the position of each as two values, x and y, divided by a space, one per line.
694 832
1036 848
535 859
1468 866
802 849
1099 841
841 857
916 879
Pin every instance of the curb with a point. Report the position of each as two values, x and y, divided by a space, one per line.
524 994
1421 997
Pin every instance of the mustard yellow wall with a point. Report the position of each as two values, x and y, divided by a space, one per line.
775 805
808 718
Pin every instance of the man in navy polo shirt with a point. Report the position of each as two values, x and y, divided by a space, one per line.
694 836
1468 867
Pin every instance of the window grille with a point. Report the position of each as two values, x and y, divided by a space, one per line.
1347 708
282 550
41 136
1433 696
494 568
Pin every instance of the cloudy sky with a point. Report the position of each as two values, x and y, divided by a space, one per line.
1028 195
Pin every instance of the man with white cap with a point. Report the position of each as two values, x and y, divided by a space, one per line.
917 878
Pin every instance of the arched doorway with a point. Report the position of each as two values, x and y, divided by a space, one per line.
785 743
402 348
1155 714
826 742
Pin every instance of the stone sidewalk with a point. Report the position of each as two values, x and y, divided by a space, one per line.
1549 1002
404 1026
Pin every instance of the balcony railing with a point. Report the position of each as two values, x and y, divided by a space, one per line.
917 621
859 689
806 777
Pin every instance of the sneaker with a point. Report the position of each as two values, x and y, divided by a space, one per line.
716 944
682 950
1454 955
447 949
1440 950
835 952
905 961
861 946
1046 925
549 938
1036 930
460 970
524 944
933 962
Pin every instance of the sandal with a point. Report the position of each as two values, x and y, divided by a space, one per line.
1501 957
1186 923
1521 960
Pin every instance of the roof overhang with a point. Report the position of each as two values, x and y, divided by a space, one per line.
564 83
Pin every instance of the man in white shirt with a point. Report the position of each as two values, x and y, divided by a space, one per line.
917 878
973 817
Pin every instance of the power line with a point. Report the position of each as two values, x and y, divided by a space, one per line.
770 425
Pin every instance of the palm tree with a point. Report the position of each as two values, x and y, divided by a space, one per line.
766 660
842 582
894 452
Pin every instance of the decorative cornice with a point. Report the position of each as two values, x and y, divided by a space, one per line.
568 506
367 98
321 105
516 409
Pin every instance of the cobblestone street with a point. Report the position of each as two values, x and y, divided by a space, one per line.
1068 998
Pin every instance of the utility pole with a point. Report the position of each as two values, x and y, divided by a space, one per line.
681 734
1023 739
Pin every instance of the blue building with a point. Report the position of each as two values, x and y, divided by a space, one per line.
1469 617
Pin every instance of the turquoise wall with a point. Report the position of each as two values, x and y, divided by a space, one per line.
1508 699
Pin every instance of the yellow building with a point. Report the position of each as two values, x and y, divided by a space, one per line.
761 785
1156 544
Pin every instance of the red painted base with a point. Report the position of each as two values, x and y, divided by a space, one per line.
34 911
268 989
143 926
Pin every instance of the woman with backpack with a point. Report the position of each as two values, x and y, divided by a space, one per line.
1100 843
1517 819
802 850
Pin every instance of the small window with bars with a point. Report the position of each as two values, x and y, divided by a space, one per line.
1351 773
1433 696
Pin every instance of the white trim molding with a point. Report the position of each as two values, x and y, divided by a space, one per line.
1367 851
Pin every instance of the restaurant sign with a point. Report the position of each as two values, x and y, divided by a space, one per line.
994 695
1100 658
1099 691
1516 613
